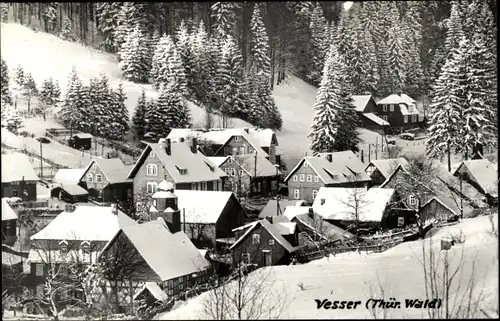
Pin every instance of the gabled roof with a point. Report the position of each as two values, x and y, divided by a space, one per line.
7 211
199 167
340 170
339 203
285 228
265 137
113 168
154 289
168 255
69 175
323 228
435 199
264 167
397 99
408 110
73 189
360 101
15 167
218 160
387 166
270 208
483 172
292 211
86 223
271 229
377 120
203 207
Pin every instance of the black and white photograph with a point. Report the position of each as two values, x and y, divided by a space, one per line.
249 160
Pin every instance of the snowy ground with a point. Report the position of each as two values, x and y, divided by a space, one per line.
352 276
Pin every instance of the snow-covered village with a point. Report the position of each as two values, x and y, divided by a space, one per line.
249 160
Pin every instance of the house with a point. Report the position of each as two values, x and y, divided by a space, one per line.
232 141
367 110
18 177
9 223
400 111
260 243
178 163
81 141
77 235
379 170
67 187
106 181
251 175
207 217
313 228
277 207
155 255
342 169
346 207
482 175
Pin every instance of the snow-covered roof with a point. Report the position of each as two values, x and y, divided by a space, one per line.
155 291
397 99
69 175
264 167
341 169
198 167
72 189
340 203
387 166
483 172
83 135
323 228
244 227
218 160
360 101
408 110
7 211
202 206
271 207
285 228
377 120
271 229
151 240
264 136
15 167
86 223
292 211
113 168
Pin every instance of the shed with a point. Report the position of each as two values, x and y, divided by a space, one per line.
81 140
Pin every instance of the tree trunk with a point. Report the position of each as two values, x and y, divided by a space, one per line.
449 156
60 15
273 63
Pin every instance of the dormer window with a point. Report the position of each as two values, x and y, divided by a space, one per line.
63 247
86 247
237 139
182 171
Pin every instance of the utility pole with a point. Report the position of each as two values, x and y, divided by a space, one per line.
277 192
376 147
255 171
39 139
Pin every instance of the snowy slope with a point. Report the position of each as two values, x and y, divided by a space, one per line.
351 277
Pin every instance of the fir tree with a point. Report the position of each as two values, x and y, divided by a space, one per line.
119 114
184 47
260 63
139 118
334 121
67 30
4 84
4 12
124 25
454 32
167 65
11 119
134 62
107 14
201 83
225 17
319 45
412 42
50 94
30 89
75 113
396 60
18 83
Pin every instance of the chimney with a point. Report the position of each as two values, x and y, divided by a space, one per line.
311 212
173 219
322 201
269 219
329 157
168 146
181 139
246 130
69 208
194 145
114 209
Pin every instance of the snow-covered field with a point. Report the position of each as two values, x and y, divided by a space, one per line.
45 55
353 276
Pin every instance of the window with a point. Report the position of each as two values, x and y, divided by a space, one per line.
302 176
413 118
296 194
242 150
406 119
316 179
391 107
98 178
90 178
309 178
250 150
151 154
295 178
152 170
412 200
315 192
259 186
401 221
233 172
384 107
237 138
306 164
193 185
15 193
271 242
204 186
151 187
235 151
241 172
39 269
245 257
255 239
384 117
228 171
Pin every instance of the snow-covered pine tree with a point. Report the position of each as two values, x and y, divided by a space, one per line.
319 44
134 62
159 70
5 84
335 121
107 14
454 32
17 89
124 25
480 112
67 30
139 117
445 111
412 43
50 94
201 82
224 14
4 11
153 41
397 59
74 112
30 89
486 26
185 50
119 113
259 42
169 111
11 119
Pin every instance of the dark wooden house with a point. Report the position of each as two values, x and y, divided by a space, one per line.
380 169
367 110
18 177
482 175
400 111
81 141
9 223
